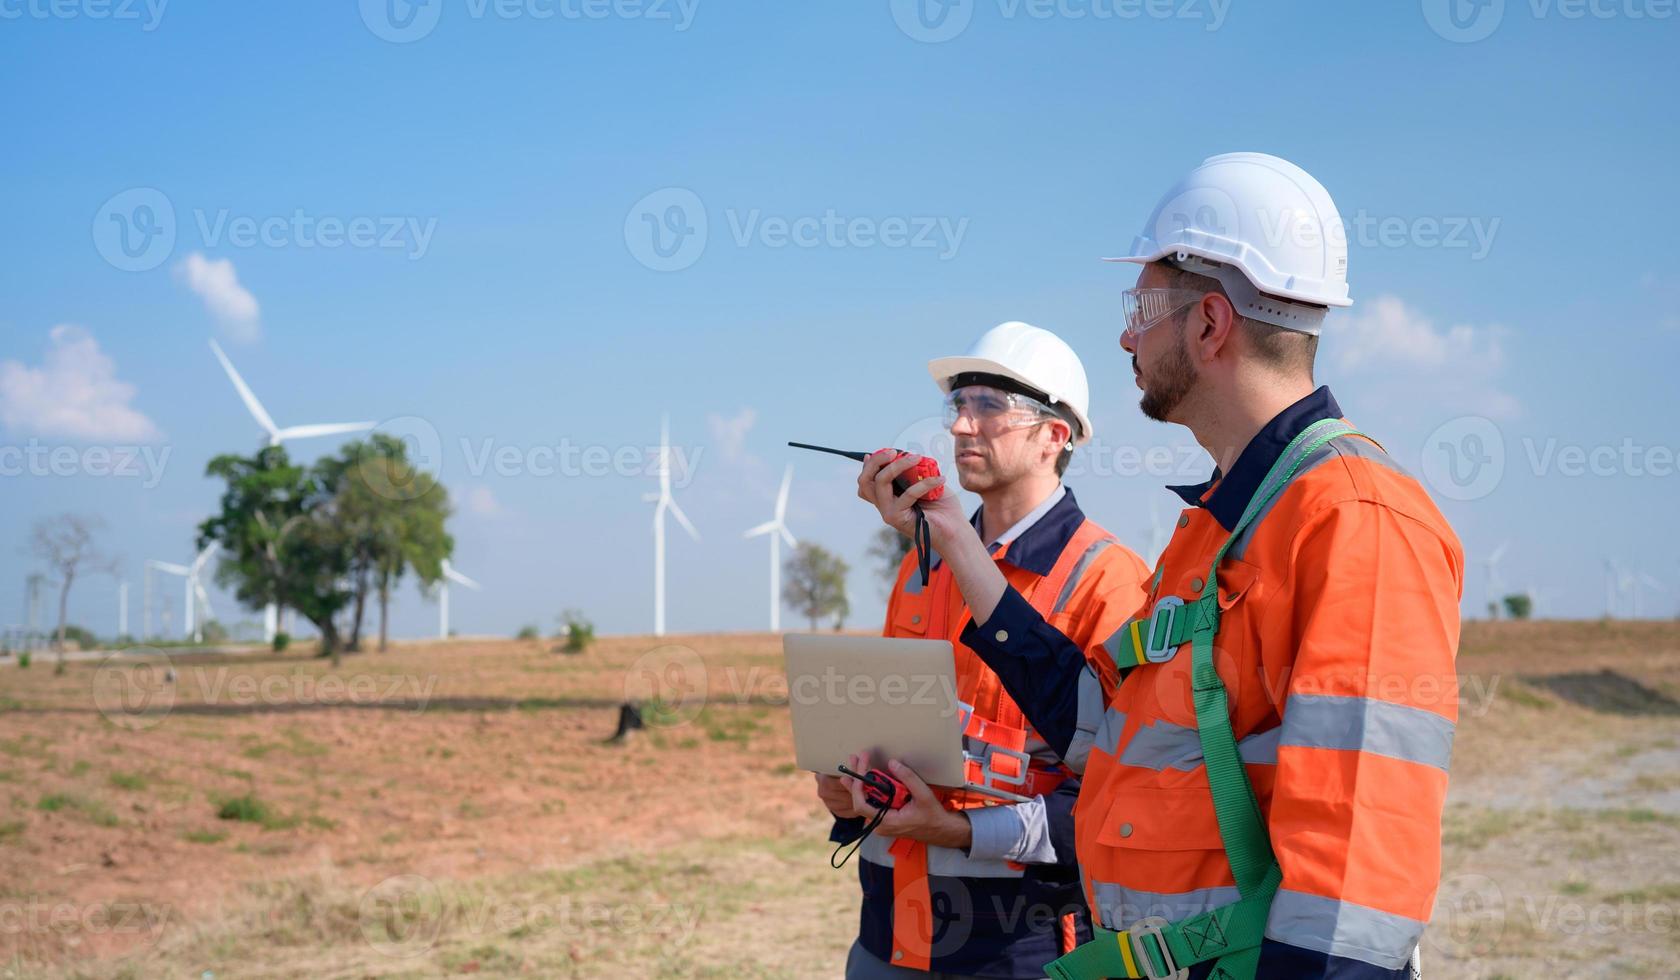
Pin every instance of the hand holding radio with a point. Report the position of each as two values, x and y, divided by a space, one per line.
912 808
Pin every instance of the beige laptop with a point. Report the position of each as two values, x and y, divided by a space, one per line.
892 698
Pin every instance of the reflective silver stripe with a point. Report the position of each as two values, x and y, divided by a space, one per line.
913 584
1329 721
1344 929
1091 716
951 862
946 861
1109 729
874 850
1164 745
1119 907
1072 582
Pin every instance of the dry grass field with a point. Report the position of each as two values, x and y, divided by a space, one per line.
455 808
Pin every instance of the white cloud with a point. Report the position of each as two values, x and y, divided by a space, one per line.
482 501
730 432
1403 348
217 284
74 393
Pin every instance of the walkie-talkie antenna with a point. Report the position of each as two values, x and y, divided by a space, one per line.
860 457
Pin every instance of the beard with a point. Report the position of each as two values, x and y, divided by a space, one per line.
1168 383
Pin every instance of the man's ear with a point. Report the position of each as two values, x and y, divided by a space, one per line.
1213 321
1061 433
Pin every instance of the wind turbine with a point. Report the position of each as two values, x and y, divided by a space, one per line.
664 504
777 529
196 598
1491 563
277 435
450 575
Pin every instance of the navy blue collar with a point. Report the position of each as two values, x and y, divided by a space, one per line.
1038 547
1231 492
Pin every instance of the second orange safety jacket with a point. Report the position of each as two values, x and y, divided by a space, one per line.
1011 902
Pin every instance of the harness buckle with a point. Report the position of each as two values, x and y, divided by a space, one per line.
1162 623
991 777
1149 956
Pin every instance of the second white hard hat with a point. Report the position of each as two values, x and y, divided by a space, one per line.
1260 216
1031 356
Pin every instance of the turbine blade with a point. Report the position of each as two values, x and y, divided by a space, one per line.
782 494
764 528
1498 553
682 519
245 393
322 429
789 538
460 579
205 555
170 567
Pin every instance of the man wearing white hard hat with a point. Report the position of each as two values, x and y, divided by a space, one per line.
1265 799
981 881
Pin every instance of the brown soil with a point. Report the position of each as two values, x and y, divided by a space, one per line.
482 771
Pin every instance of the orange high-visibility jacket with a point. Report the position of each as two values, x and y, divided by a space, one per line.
1002 908
1336 643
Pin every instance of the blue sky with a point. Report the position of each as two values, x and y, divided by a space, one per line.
1510 202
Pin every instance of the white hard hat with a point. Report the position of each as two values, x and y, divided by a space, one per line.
1260 216
1030 356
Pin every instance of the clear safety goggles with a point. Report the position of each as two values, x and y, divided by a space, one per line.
992 407
1146 307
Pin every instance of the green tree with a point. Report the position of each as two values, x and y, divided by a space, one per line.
280 541
815 583
1518 605
392 516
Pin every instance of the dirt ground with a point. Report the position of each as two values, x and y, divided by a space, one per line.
455 808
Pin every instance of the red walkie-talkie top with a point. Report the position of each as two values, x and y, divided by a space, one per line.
925 467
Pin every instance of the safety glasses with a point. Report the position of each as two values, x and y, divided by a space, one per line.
1144 308
994 407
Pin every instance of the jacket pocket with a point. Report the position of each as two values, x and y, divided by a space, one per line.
1148 819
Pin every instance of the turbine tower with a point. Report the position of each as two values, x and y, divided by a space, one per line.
276 436
450 575
778 532
664 504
